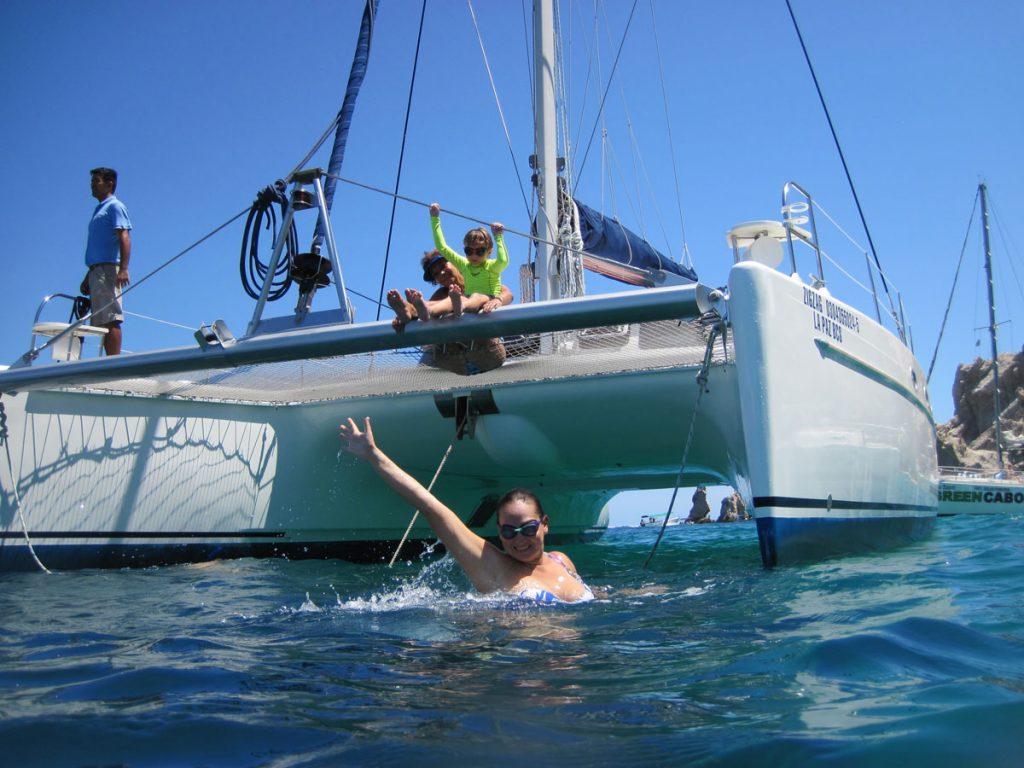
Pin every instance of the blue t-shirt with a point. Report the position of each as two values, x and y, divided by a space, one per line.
104 245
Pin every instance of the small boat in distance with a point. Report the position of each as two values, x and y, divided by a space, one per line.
646 520
979 491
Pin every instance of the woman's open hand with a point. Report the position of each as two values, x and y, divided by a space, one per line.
358 443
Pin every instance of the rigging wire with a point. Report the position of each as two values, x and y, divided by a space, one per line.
818 207
508 230
846 168
611 77
1009 249
641 178
497 101
33 353
158 320
592 53
401 158
533 197
949 303
527 51
671 143
636 158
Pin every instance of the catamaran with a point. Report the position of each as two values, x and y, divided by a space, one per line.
812 409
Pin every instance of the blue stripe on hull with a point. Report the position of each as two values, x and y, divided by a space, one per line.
789 540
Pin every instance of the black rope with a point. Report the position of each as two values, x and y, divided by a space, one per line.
842 159
80 307
401 158
253 270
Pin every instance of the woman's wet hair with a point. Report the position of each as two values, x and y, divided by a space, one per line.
519 494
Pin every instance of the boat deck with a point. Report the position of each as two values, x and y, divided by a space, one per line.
655 345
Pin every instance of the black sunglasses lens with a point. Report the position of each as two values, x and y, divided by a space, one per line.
529 530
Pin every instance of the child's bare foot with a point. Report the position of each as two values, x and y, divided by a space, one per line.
455 295
402 313
416 299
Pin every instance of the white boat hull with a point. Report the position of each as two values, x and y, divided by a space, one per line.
835 408
829 458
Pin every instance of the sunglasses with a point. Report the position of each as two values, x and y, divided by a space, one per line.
528 529
476 251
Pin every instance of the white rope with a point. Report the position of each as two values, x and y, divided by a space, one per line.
430 487
17 499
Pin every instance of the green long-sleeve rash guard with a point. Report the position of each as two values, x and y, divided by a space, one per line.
484 279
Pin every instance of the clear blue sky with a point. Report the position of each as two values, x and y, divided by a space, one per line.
199 105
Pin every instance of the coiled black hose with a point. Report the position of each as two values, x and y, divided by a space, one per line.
253 270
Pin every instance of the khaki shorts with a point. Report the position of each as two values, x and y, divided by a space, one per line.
473 357
104 294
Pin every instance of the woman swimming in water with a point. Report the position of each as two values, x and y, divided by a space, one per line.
521 567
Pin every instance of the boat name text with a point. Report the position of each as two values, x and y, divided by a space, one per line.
988 497
829 317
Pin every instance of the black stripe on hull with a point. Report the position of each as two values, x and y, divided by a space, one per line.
795 502
14 555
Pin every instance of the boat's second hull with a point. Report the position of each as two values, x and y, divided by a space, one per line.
836 414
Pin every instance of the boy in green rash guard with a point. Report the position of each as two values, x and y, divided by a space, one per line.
482 275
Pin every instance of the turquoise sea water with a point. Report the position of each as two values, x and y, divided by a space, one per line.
911 657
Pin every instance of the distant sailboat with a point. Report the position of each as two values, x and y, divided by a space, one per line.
984 491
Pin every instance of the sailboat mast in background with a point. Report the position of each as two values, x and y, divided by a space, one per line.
983 191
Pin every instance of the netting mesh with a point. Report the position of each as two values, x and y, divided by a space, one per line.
589 352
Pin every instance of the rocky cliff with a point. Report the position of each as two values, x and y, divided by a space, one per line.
968 439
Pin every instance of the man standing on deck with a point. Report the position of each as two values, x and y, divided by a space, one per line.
107 252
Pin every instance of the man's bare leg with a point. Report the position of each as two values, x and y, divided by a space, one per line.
112 341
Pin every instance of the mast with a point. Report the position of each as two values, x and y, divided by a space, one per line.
545 158
983 191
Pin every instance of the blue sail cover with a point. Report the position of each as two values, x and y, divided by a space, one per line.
344 118
607 238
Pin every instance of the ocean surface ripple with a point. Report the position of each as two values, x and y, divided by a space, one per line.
909 657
